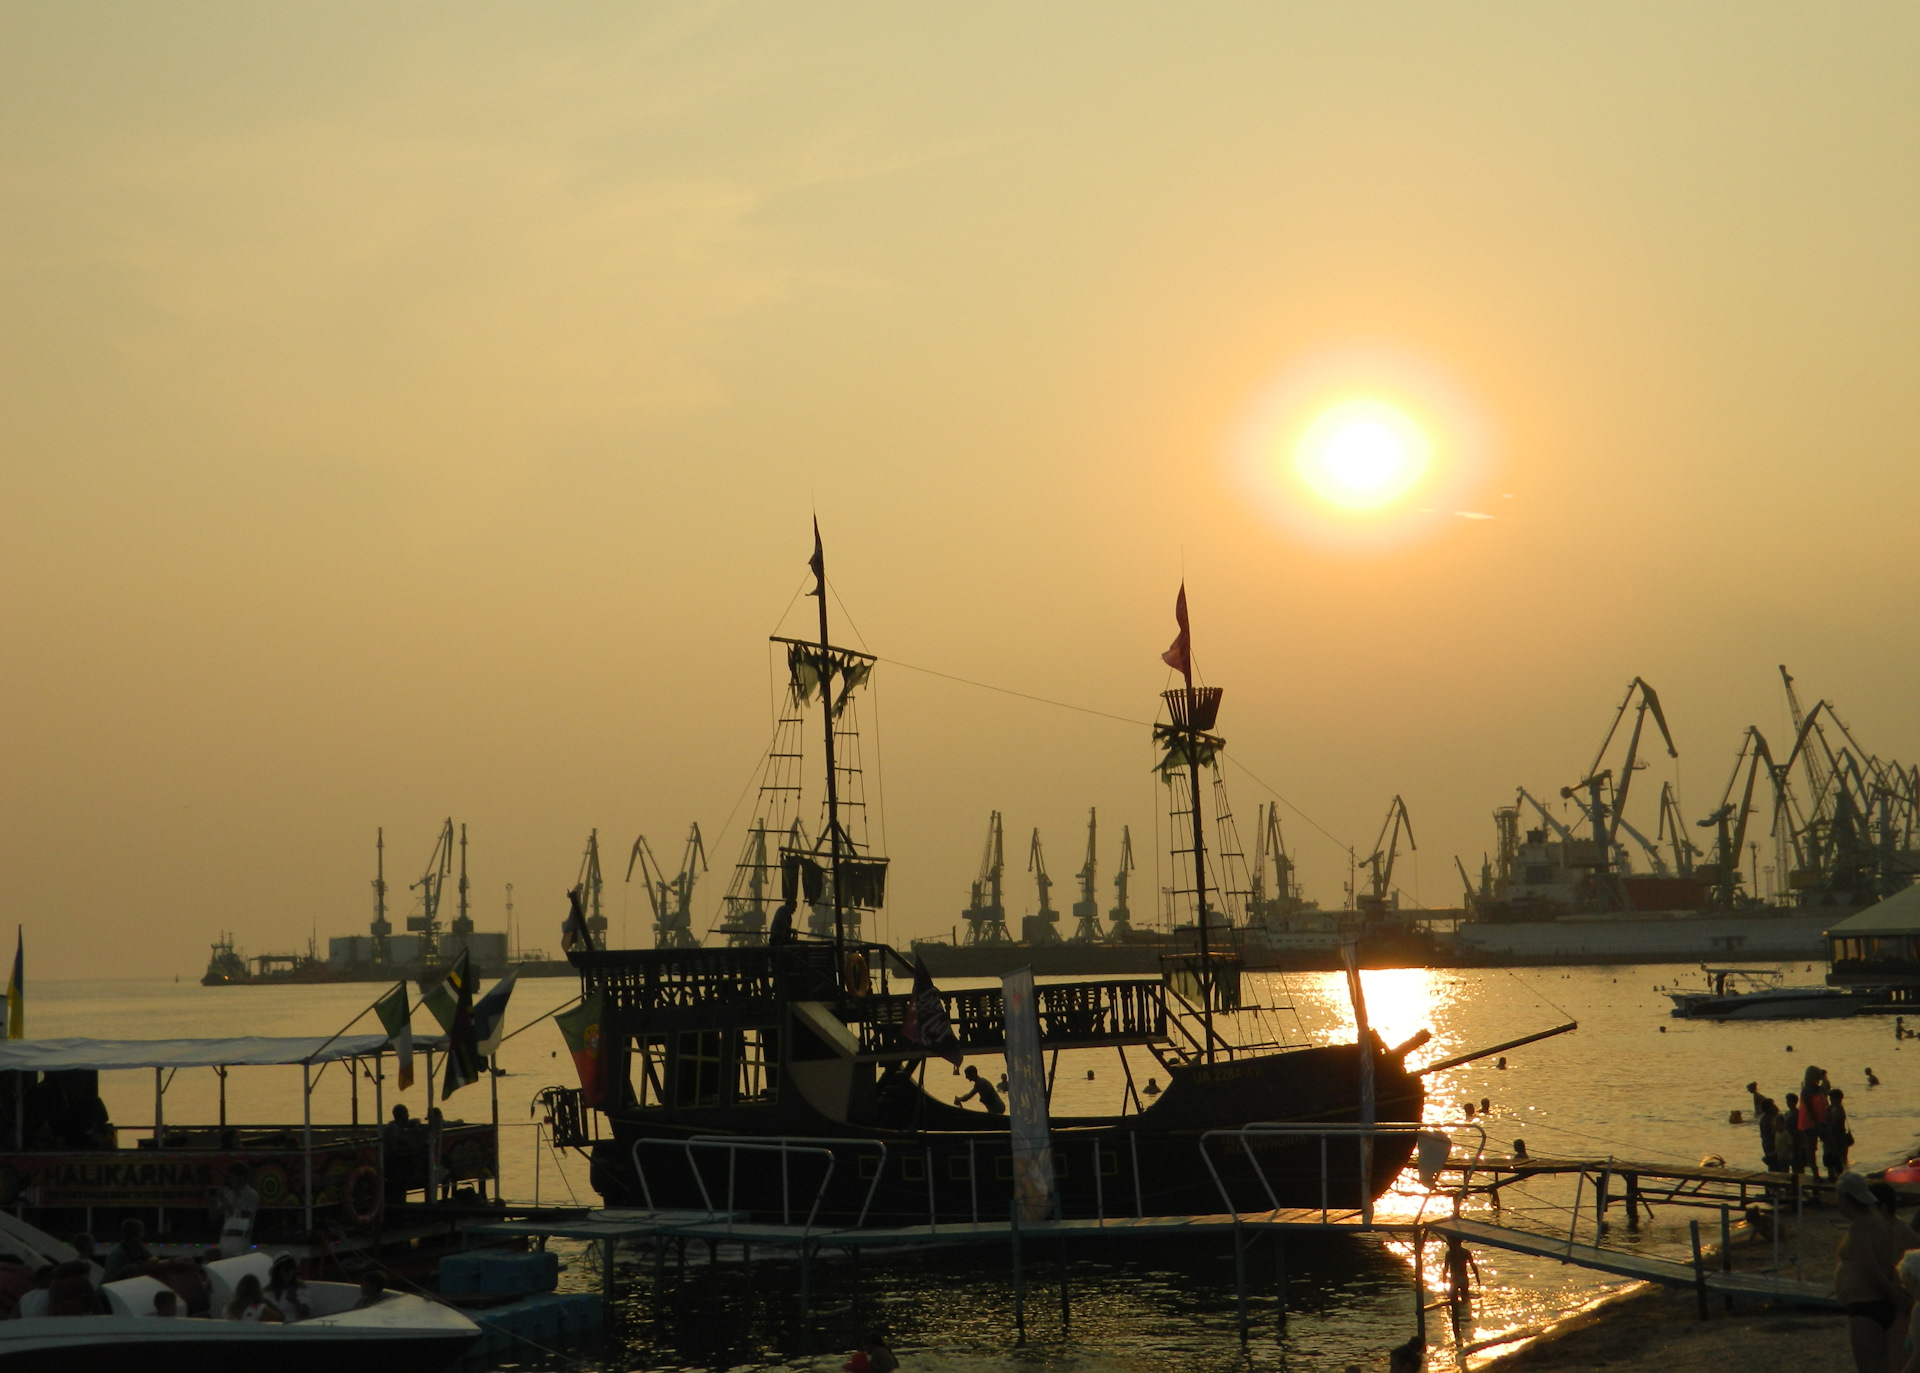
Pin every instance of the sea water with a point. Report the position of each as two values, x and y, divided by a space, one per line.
1630 1084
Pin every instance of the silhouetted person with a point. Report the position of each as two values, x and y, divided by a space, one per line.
981 1088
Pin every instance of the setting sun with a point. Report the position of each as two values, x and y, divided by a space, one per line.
1362 455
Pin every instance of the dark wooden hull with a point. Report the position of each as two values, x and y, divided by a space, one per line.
934 1161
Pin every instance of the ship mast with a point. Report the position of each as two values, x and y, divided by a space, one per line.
819 565
1193 710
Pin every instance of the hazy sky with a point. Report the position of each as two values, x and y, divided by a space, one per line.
418 412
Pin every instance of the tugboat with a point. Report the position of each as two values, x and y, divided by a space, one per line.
789 1076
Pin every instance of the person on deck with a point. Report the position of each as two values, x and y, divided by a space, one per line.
250 1303
983 1089
781 930
285 1290
130 1251
237 1204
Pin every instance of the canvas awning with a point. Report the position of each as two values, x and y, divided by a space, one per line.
56 1055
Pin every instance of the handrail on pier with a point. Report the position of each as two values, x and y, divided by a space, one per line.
785 1147
1352 1129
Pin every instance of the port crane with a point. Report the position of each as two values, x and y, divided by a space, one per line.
1602 794
1379 864
1674 829
426 923
1086 911
1042 927
587 882
671 899
1854 842
986 913
1729 822
1273 893
382 927
1119 917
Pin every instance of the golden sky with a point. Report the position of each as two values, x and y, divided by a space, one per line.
410 413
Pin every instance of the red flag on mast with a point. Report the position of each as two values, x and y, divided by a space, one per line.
1179 657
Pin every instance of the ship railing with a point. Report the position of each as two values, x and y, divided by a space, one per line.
1072 1014
805 970
1433 1144
785 1148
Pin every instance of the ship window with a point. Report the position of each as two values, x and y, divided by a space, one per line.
1059 1165
757 1070
697 1074
913 1168
647 1071
869 1167
959 1167
1109 1161
1003 1167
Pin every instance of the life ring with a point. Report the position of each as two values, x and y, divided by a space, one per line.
364 1178
1905 1173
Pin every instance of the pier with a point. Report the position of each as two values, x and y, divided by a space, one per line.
1642 1185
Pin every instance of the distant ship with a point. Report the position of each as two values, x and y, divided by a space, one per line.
427 950
1598 890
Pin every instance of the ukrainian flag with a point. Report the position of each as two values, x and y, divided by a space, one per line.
17 988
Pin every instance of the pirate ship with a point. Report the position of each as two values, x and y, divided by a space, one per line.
788 1069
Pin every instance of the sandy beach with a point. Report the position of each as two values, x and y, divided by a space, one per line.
1659 1329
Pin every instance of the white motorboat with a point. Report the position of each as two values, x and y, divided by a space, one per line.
400 1332
1761 994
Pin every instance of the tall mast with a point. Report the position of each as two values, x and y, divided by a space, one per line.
381 929
1193 711
819 565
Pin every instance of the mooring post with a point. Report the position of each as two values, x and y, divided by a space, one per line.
1699 1268
1280 1273
1019 1280
806 1293
1240 1277
1600 1199
1633 1201
1726 1249
1420 1284
1065 1315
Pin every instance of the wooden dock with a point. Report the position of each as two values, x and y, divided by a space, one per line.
1643 1267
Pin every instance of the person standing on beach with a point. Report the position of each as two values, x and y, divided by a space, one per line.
1865 1277
1836 1139
1812 1122
1766 1115
1787 1142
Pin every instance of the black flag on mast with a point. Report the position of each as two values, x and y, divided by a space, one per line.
818 562
926 1021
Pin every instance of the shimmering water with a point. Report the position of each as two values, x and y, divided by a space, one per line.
1631 1083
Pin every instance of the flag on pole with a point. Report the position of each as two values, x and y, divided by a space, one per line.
581 1028
17 988
464 1063
444 998
395 1020
1179 655
490 1014
926 1020
575 934
818 562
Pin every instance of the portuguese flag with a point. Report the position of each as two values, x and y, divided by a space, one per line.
582 1027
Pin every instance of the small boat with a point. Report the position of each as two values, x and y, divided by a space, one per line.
1761 994
399 1332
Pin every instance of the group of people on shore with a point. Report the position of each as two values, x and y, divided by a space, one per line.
1810 1133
